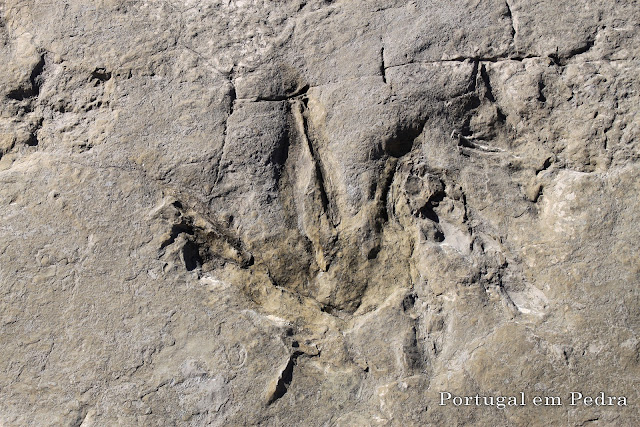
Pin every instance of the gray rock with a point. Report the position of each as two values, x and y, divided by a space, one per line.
318 212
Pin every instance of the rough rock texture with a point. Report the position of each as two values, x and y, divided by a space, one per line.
318 213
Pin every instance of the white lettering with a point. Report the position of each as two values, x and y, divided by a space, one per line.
552 401
575 397
442 398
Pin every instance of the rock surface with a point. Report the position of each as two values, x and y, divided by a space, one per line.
319 213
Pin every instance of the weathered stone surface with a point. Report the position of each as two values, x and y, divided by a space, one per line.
318 212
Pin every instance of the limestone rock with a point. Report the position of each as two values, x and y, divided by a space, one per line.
318 212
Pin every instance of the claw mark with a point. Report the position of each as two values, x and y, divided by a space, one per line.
383 69
327 204
284 380
35 82
510 16
230 108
